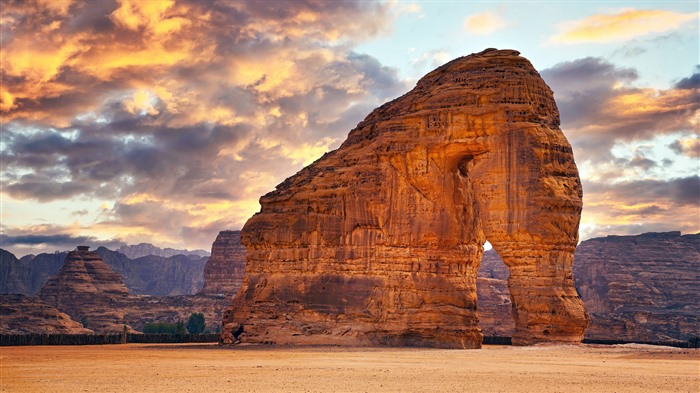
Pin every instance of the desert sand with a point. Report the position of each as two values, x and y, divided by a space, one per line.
209 368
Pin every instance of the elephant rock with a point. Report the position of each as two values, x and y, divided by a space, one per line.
379 241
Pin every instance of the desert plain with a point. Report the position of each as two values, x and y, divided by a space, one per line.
210 368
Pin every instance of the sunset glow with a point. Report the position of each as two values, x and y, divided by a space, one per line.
165 121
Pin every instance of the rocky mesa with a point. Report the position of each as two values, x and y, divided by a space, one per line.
379 241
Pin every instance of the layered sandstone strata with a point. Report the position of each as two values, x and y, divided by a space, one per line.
641 288
21 314
87 289
635 288
495 306
224 271
379 242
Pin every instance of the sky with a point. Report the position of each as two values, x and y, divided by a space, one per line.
165 121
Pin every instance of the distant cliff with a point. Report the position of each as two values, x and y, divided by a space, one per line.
90 291
28 274
635 288
149 275
224 271
641 287
156 275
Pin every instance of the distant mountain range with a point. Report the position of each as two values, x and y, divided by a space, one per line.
178 274
146 249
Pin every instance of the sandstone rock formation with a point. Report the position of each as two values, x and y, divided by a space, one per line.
224 271
28 274
20 314
641 288
379 242
86 287
495 306
88 290
147 275
635 288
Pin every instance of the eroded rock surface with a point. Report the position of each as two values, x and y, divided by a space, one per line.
84 286
635 288
21 314
379 241
641 288
88 290
224 271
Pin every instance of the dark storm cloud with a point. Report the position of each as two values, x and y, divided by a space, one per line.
642 162
687 146
691 82
62 241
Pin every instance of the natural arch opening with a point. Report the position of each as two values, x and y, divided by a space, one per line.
494 304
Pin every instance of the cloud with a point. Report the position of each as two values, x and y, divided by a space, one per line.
634 147
483 23
624 25
691 82
633 207
688 146
25 242
600 106
163 110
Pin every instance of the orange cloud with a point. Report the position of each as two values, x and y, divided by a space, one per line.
483 23
624 25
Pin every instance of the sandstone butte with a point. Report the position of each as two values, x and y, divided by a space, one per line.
86 285
86 288
224 271
379 241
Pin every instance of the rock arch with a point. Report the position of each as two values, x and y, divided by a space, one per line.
379 241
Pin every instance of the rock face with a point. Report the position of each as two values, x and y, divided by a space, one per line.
379 242
28 274
635 288
86 285
148 275
88 290
20 314
641 288
156 275
224 271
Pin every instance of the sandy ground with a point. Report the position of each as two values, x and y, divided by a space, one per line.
208 368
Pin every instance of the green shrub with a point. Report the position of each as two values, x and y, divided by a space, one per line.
195 325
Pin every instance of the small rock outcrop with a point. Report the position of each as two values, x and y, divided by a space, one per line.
21 314
224 271
379 241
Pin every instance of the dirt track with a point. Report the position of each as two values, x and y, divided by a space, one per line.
208 368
